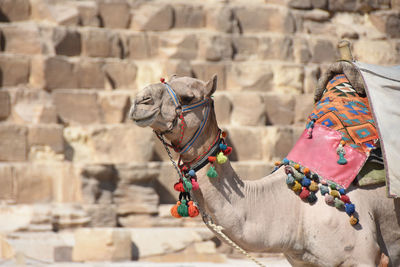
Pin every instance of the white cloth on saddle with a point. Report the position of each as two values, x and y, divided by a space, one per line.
382 85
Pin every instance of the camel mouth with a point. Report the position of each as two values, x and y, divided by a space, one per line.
146 120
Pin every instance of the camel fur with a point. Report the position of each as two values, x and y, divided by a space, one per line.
265 215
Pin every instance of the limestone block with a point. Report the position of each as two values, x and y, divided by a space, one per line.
102 244
300 4
318 28
250 76
357 5
6 182
376 52
164 240
277 142
316 15
311 76
6 250
90 73
323 51
165 181
245 48
252 170
248 109
387 22
342 5
22 38
5 105
223 108
114 106
109 144
138 173
114 14
88 13
60 13
322 4
14 70
141 45
268 18
289 77
215 48
204 71
153 17
279 108
18 217
304 106
101 215
189 16
100 43
135 199
120 74
46 135
14 10
98 183
52 73
66 216
148 72
177 67
242 150
13 142
276 47
137 220
178 46
221 18
67 42
395 4
63 254
77 106
301 50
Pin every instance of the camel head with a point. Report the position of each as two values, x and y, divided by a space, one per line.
162 106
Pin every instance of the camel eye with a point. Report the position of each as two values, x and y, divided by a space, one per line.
186 99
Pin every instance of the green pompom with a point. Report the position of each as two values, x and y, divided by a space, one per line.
183 209
212 173
187 185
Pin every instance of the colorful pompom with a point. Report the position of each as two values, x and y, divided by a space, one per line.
306 171
353 220
228 151
285 161
342 191
324 189
195 185
315 177
192 209
335 193
179 187
288 170
186 185
329 199
297 166
333 186
183 209
212 159
212 173
296 187
349 208
174 210
224 134
192 173
305 182
304 193
313 186
277 163
345 198
290 180
223 146
338 203
221 158
312 197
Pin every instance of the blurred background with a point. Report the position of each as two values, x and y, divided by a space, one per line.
79 182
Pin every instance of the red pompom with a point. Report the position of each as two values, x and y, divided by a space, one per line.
179 187
228 151
195 184
212 159
162 80
304 193
192 209
184 169
345 198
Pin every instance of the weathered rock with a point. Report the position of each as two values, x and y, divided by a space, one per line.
323 51
90 73
289 77
70 104
304 106
14 10
387 22
102 244
13 142
100 43
178 46
277 142
14 70
46 135
189 16
301 50
248 76
245 48
88 13
215 48
138 173
101 215
141 45
300 4
276 47
6 184
177 67
279 108
62 254
342 5
376 52
395 4
322 4
114 106
223 108
114 14
6 250
153 17
222 18
204 71
60 13
22 38
120 74
135 199
317 15
65 216
147 72
5 105
245 151
45 114
311 76
248 109
67 42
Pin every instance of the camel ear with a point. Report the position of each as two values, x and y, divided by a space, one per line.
211 86
173 76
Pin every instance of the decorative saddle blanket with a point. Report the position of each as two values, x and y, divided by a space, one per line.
339 136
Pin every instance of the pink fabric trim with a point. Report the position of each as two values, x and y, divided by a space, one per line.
319 155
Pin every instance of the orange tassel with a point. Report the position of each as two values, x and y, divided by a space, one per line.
193 210
174 210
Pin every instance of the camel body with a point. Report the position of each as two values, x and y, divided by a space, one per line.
265 215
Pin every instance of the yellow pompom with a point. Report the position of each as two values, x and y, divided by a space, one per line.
335 193
277 163
296 187
313 186
221 158
297 166
353 220
342 142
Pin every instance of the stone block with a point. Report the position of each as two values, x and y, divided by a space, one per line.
245 151
248 109
14 70
276 47
61 13
6 250
67 42
6 182
268 18
249 76
101 215
88 13
67 216
114 106
14 10
91 74
135 199
223 108
304 106
45 114
52 73
77 106
222 18
138 173
289 77
301 50
311 76
317 15
63 254
279 108
376 52
120 74
114 14
215 48
204 71
342 5
300 4
178 46
177 67
100 43
153 17
46 135
189 16
323 51
13 142
5 105
245 48
277 142
395 4
148 72
141 45
102 244
22 38
387 22
109 144
321 4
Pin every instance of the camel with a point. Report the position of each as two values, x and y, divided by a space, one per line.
265 215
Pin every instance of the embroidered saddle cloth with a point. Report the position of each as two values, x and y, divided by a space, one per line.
340 134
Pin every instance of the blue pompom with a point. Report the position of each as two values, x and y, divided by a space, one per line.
350 208
192 173
306 182
285 161
342 191
324 189
223 146
290 179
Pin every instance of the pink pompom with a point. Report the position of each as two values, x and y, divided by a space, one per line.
195 184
